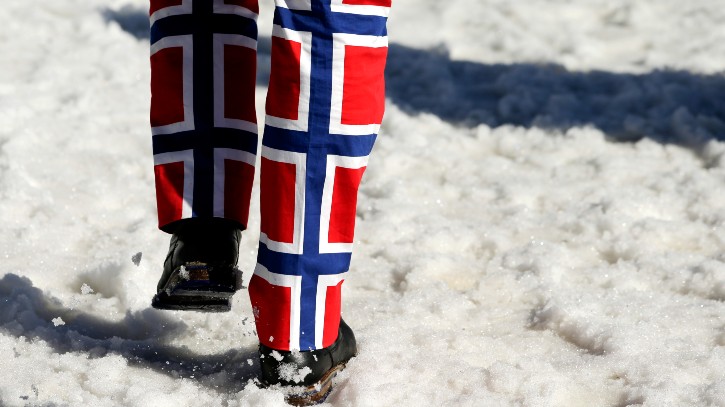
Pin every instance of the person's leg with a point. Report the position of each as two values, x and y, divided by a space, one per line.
203 119
324 108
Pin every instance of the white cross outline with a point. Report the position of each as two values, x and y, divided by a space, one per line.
337 7
295 285
324 281
220 157
300 162
219 7
220 120
295 4
187 157
303 107
186 43
334 162
183 8
340 41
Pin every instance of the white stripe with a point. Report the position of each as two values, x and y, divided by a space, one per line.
334 161
371 41
323 282
337 7
184 8
187 44
300 162
221 8
220 40
295 4
340 41
303 108
187 157
220 155
295 284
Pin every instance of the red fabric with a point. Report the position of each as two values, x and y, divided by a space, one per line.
169 191
238 179
344 203
363 99
283 95
167 87
332 314
240 74
157 5
271 305
277 200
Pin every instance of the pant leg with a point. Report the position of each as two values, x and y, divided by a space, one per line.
324 108
203 119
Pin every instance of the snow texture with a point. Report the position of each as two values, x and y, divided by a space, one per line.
291 373
541 223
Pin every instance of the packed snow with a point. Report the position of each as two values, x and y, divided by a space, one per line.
541 223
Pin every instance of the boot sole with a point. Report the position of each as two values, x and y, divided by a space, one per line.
316 393
200 295
200 303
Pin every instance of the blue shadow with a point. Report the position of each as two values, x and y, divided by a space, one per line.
667 106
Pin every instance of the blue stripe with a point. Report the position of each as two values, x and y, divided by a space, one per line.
296 141
203 108
289 264
220 138
308 305
331 23
186 24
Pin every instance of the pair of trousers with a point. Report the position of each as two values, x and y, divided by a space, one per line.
324 107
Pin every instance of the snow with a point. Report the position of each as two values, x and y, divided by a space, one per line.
540 223
290 372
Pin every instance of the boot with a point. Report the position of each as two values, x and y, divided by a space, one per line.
308 375
200 271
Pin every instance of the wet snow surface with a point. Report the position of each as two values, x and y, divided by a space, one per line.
541 223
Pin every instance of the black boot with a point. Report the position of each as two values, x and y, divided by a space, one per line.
308 374
200 271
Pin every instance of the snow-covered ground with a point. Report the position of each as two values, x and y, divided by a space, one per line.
541 224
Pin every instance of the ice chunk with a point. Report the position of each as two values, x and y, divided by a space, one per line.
184 273
276 356
290 373
136 258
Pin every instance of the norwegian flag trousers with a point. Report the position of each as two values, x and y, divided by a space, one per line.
324 107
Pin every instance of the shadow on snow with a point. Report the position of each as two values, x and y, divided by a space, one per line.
140 337
666 106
